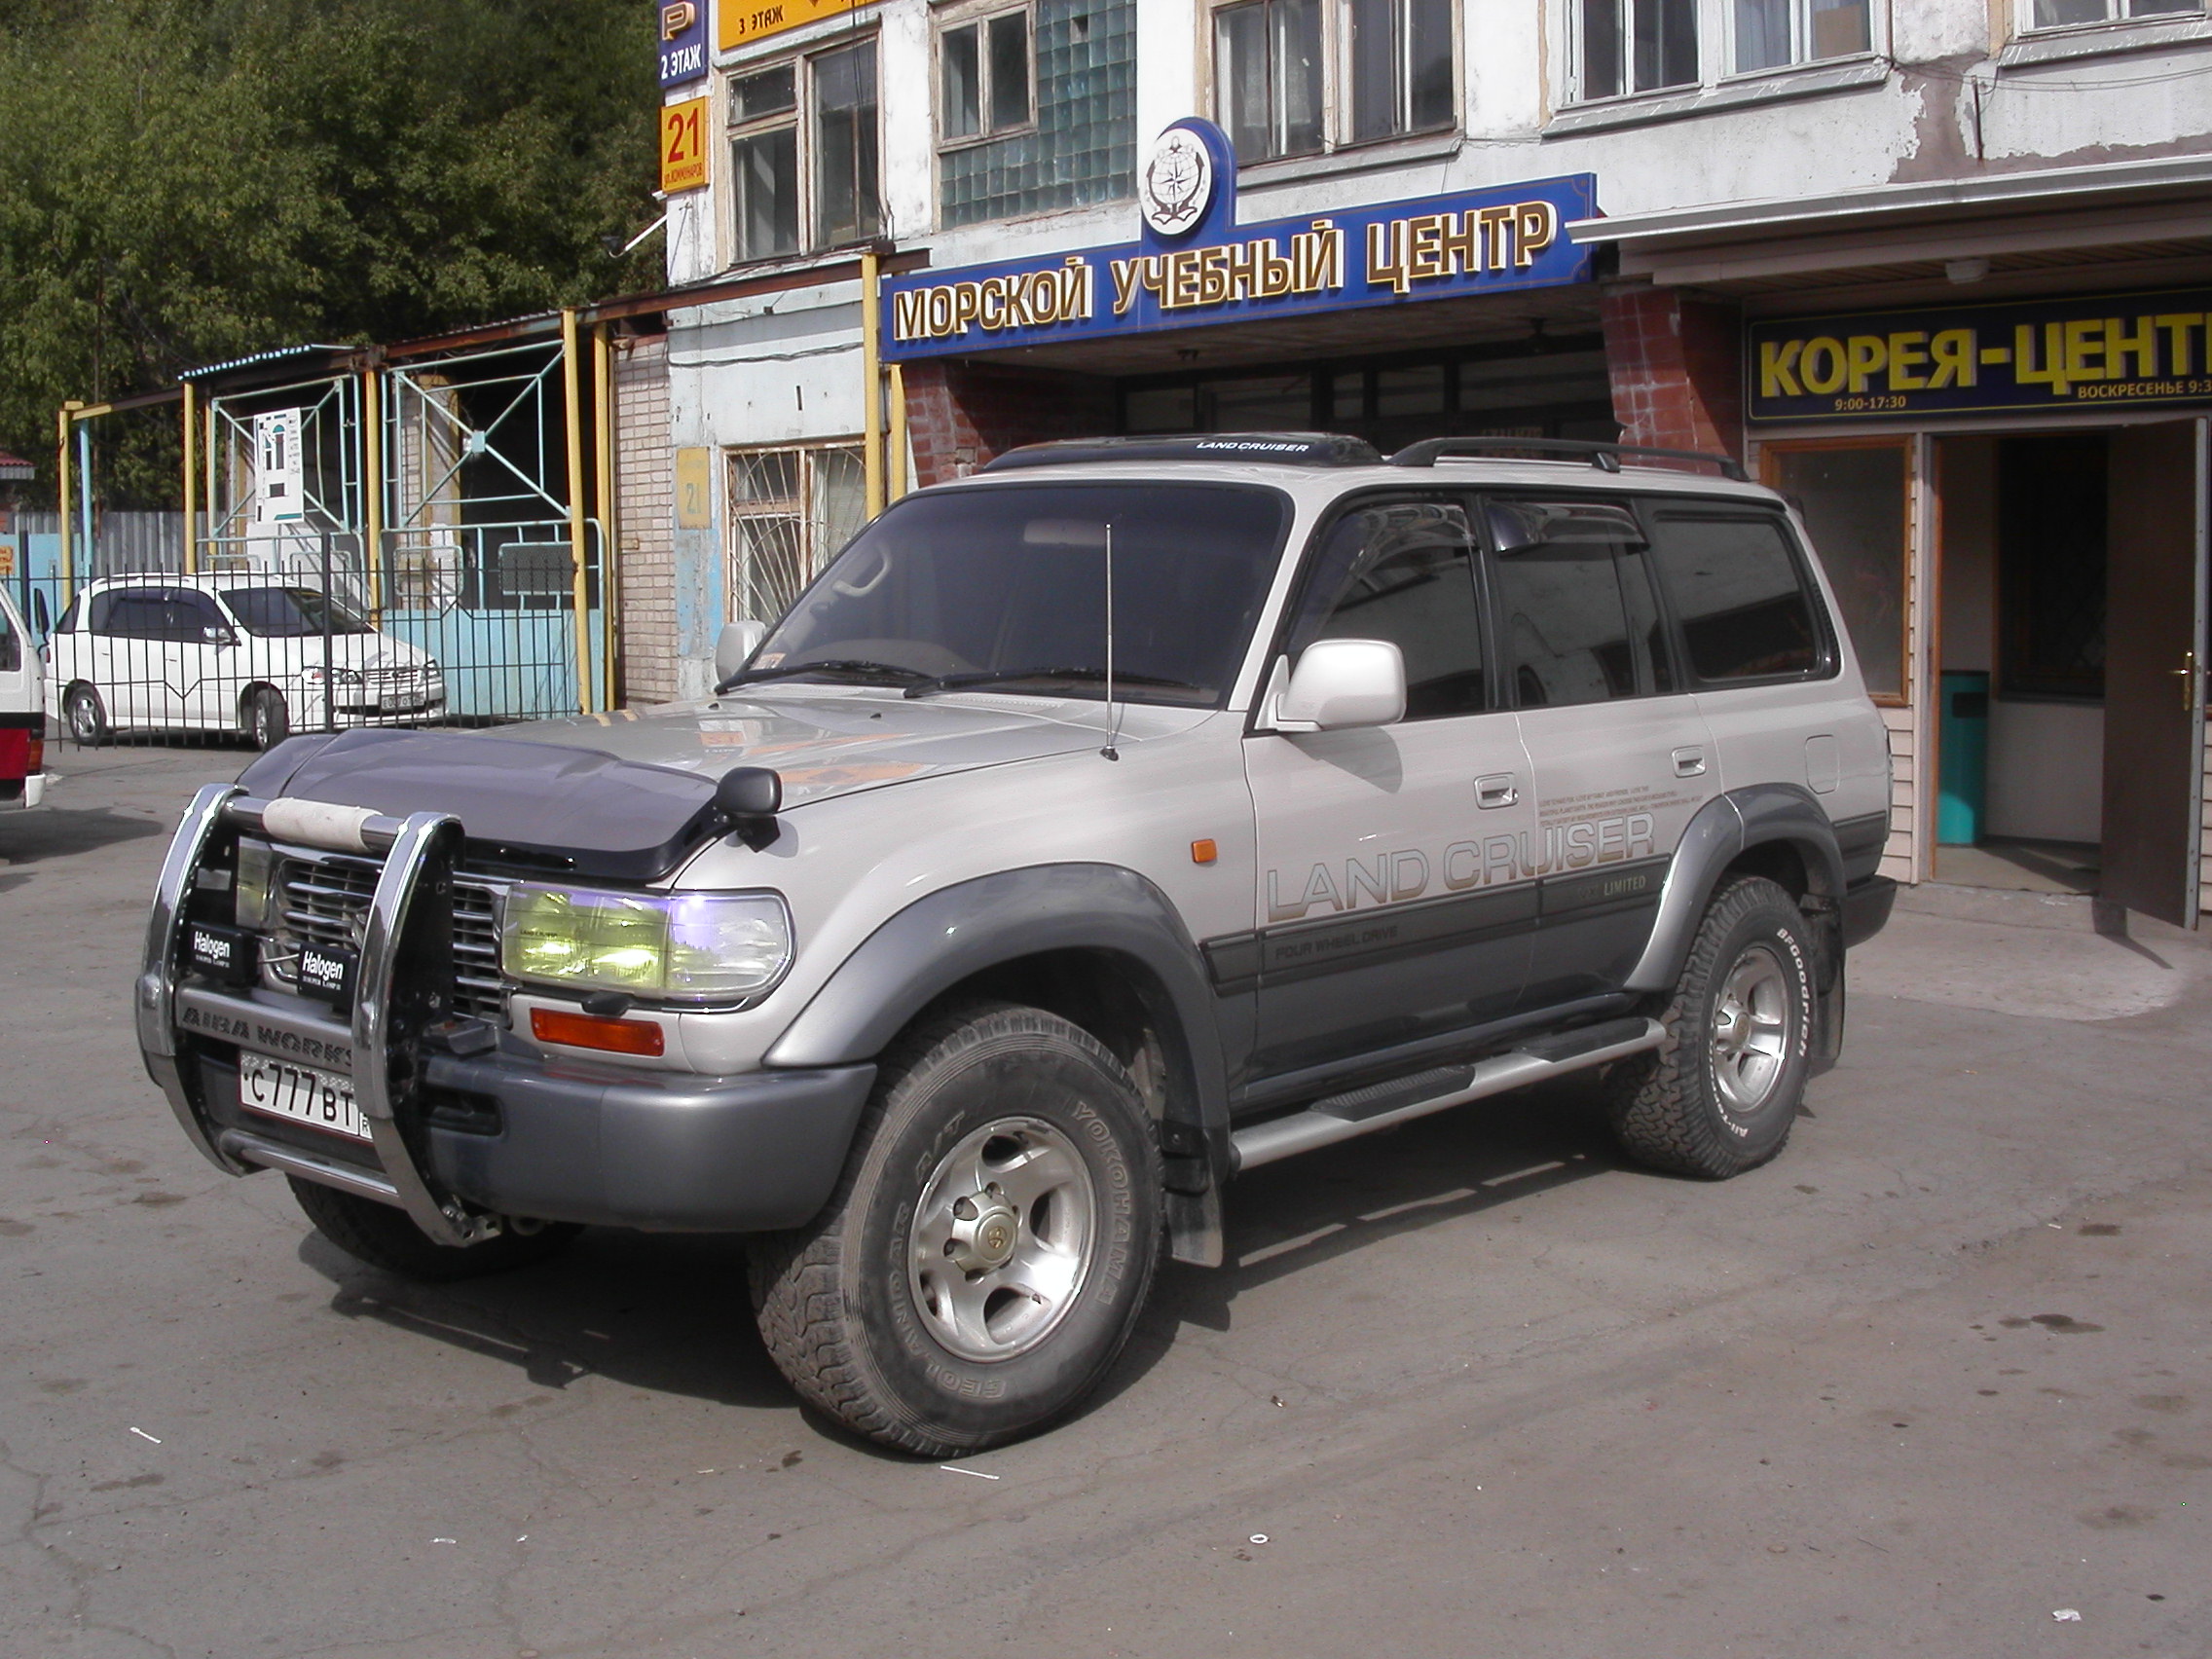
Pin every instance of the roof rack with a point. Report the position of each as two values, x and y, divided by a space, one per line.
1606 457
1282 449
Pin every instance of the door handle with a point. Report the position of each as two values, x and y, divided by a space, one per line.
2187 673
1689 762
1499 788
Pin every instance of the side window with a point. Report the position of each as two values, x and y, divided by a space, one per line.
195 618
1576 617
1746 608
68 623
1403 572
132 613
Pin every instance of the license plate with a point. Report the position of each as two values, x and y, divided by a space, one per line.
319 1099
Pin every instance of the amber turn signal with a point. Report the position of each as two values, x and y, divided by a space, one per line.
1204 852
590 1031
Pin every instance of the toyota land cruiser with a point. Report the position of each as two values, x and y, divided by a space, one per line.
1131 814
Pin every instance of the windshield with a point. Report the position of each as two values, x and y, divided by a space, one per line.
1007 586
292 613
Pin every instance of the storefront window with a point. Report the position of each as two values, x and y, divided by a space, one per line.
1852 496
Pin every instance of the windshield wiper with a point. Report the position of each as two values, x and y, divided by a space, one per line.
856 666
922 687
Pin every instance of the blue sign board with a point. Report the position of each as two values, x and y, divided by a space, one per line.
1195 265
2123 351
682 42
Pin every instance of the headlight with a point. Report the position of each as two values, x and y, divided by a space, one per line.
695 946
338 676
250 891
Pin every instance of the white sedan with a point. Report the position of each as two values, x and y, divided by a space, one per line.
262 656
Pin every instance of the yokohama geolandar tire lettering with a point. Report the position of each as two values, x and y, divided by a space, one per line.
1719 1096
990 1244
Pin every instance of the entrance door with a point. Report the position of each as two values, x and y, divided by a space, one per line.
1393 902
2154 670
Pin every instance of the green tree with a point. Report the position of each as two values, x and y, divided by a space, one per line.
183 181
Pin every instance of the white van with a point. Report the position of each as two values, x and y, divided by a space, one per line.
23 715
260 655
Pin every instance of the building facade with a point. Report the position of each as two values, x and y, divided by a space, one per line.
1942 272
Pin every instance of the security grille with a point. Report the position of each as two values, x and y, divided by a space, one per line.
789 510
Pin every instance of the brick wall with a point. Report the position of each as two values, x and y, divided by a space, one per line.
961 414
1677 367
644 490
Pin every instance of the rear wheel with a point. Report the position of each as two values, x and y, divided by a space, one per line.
86 715
268 722
1720 1095
386 1238
986 1253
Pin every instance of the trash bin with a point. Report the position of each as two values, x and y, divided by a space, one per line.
1964 788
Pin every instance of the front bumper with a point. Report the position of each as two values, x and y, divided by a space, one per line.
462 1140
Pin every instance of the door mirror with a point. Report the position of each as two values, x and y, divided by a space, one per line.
1344 683
39 613
738 642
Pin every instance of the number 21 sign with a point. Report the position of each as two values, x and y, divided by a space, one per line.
684 145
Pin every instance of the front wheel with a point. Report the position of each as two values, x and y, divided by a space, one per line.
268 722
87 716
1720 1095
986 1253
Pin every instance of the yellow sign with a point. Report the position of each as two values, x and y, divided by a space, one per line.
7 559
684 145
695 499
741 23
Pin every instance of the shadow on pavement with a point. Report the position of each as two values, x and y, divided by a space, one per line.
666 1312
58 831
670 1312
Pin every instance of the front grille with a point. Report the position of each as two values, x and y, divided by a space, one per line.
324 901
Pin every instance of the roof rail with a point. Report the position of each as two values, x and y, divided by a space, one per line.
1283 449
1606 457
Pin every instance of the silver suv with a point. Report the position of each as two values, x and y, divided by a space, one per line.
1129 815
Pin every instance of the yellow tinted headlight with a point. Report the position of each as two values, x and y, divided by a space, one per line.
687 945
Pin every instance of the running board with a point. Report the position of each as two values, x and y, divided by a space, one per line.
1386 1105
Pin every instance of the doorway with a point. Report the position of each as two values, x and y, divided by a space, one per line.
2069 728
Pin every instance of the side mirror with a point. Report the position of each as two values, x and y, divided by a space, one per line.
738 642
1340 684
39 616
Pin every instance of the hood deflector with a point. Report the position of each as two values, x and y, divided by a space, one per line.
530 807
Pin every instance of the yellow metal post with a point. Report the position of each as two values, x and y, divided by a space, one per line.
897 430
207 461
371 490
61 437
191 487
572 403
871 368
610 512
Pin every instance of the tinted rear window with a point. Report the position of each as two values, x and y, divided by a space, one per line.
1746 608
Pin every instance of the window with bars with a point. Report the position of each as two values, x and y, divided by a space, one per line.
789 510
805 149
1296 77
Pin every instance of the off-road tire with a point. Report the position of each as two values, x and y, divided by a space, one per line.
836 1302
268 722
86 717
386 1238
1669 1109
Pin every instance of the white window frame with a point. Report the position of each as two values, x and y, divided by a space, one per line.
1336 82
2117 17
802 118
952 18
1717 52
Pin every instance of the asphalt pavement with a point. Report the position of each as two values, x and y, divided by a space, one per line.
1936 1380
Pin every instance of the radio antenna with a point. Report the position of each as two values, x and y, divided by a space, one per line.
1113 710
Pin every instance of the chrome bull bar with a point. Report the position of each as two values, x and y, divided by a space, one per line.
421 848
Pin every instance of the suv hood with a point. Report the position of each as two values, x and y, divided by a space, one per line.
624 795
